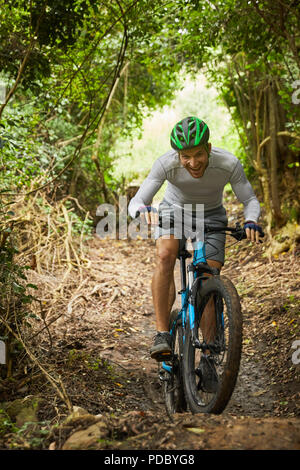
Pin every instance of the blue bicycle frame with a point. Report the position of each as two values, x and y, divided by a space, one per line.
187 304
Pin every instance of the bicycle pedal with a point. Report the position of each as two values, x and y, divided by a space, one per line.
166 357
163 356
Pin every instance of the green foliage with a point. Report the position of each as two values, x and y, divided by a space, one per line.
21 158
32 435
14 295
41 28
12 275
195 97
93 72
6 425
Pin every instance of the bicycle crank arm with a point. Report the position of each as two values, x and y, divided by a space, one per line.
162 375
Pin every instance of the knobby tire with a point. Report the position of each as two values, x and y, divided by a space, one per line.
223 288
173 387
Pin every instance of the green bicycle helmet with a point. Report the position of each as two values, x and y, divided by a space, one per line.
188 133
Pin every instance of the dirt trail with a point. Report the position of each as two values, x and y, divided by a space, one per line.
100 347
264 410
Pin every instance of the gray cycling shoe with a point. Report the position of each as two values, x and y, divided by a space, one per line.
161 349
208 375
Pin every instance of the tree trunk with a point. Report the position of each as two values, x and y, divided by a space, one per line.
278 217
24 61
99 134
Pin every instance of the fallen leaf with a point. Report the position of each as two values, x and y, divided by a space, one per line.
133 329
108 346
258 393
196 430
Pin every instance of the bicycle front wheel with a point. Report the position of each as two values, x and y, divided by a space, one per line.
173 383
219 295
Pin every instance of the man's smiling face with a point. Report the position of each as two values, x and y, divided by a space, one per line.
195 160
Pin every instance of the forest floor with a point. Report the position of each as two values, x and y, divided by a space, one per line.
99 346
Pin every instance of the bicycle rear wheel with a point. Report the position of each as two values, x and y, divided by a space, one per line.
173 383
225 350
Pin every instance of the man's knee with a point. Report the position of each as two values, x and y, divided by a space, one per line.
167 251
166 259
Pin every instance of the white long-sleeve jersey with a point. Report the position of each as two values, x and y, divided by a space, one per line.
223 167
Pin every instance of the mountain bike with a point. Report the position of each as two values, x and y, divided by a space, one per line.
181 375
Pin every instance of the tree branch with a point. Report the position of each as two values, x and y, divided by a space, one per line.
24 61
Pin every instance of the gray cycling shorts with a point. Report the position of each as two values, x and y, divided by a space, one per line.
214 242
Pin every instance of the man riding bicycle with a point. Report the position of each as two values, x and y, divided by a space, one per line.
196 173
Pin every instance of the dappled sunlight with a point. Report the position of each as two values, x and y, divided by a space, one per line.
196 98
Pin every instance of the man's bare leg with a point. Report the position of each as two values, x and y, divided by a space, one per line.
163 286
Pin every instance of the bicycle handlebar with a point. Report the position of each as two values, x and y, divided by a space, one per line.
237 232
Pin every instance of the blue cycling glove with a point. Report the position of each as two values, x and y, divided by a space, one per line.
254 226
143 209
